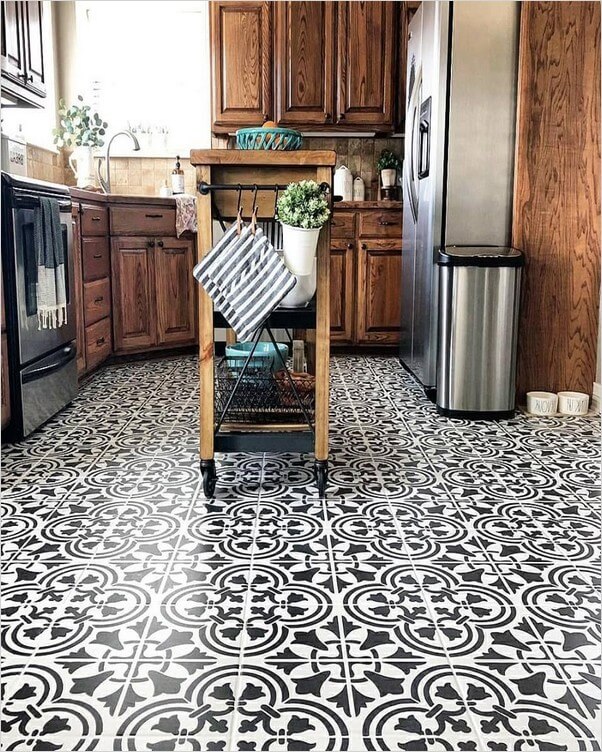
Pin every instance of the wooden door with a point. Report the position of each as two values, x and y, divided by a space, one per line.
341 290
4 386
378 292
12 57
134 300
79 292
366 64
34 47
175 290
304 63
241 63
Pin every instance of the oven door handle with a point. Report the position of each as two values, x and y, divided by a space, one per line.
68 354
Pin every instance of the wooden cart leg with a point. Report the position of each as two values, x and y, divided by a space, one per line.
206 406
230 337
322 348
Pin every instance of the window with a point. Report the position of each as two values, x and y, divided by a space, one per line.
145 66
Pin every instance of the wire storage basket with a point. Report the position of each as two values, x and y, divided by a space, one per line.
260 396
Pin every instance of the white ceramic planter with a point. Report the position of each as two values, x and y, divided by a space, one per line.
303 291
81 162
388 177
299 247
542 403
573 403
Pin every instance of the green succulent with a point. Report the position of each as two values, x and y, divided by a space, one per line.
303 204
388 160
79 126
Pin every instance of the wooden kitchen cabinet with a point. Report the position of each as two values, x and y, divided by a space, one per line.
365 276
305 58
22 54
175 291
79 291
153 293
133 285
241 63
366 64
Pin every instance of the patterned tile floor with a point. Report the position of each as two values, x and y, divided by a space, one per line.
445 595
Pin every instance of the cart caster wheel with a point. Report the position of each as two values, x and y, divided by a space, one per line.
321 472
209 477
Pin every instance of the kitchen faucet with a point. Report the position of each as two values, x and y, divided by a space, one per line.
105 183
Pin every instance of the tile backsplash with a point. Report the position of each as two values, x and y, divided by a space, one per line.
143 176
45 164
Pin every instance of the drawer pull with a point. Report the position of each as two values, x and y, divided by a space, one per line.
364 247
96 219
100 341
175 250
385 222
99 299
97 255
151 243
160 243
153 216
350 245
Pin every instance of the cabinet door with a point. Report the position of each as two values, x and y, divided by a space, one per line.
366 64
12 59
133 287
305 63
341 290
379 292
241 57
79 292
175 289
34 47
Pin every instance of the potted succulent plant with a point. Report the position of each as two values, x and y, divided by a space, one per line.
388 164
83 130
302 210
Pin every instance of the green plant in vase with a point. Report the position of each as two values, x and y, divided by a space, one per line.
82 130
302 210
388 163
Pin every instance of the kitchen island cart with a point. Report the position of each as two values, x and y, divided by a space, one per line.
229 180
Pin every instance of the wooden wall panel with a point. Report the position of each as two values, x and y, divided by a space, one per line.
557 194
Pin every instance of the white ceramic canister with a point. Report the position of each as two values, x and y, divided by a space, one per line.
359 189
542 403
573 403
343 183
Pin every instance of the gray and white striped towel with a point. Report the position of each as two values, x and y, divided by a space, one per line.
245 278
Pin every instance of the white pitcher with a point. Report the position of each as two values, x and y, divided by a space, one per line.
81 162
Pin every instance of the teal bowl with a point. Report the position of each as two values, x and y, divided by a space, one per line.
238 353
268 139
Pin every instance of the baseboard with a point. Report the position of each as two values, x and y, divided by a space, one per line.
597 396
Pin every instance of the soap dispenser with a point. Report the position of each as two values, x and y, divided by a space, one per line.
177 178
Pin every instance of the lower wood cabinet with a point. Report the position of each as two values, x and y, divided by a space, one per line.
79 292
365 277
153 293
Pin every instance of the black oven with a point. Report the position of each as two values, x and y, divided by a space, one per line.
42 361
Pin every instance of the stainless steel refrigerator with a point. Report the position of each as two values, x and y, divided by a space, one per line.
459 152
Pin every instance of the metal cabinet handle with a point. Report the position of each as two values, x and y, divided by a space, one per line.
95 219
151 244
99 300
364 247
341 116
97 255
175 250
266 117
385 222
350 245
100 341
27 77
160 243
153 216
327 116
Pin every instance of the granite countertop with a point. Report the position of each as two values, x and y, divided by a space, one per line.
380 204
80 194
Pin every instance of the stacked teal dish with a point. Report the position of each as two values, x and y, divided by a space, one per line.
264 354
269 139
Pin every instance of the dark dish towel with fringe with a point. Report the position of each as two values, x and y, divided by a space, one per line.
45 260
245 278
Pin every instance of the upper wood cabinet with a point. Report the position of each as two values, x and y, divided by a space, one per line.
305 70
22 54
241 56
366 63
335 64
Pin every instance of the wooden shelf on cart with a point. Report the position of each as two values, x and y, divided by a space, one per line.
305 158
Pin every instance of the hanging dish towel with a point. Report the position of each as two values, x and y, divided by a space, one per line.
245 278
185 214
50 256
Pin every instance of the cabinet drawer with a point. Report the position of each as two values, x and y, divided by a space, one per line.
393 244
95 220
143 220
342 225
95 258
342 245
97 300
381 224
98 342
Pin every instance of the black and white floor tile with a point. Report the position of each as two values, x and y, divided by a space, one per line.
445 596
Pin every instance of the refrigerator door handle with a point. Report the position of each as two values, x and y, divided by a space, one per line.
424 140
411 175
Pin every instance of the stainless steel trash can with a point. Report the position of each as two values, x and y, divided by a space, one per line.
479 294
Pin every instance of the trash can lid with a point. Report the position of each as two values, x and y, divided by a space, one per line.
480 255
